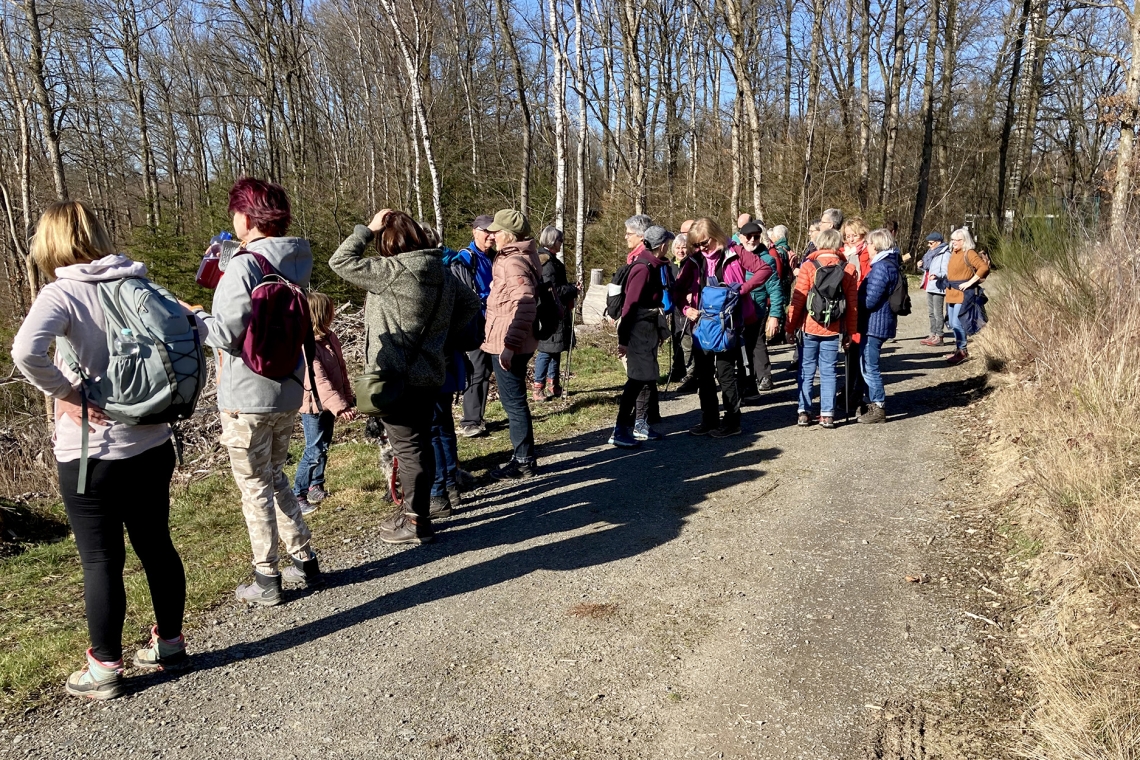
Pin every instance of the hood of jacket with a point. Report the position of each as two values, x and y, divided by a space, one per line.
424 266
892 253
525 248
290 256
113 267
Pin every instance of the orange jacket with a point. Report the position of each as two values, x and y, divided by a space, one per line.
962 266
798 315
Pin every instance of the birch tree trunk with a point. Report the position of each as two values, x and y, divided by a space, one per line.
631 15
740 70
894 92
558 85
414 84
1026 124
583 137
1122 186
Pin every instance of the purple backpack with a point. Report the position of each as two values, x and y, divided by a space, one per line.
279 325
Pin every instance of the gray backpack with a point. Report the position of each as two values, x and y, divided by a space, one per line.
157 366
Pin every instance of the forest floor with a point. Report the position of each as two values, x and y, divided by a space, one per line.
787 593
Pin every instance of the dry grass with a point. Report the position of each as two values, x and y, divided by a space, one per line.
1066 334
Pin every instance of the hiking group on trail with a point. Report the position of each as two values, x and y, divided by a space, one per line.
131 360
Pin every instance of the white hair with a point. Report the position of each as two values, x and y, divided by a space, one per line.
834 216
964 235
777 232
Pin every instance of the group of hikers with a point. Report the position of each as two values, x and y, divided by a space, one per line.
130 360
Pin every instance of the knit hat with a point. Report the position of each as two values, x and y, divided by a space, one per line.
656 236
509 220
935 237
482 222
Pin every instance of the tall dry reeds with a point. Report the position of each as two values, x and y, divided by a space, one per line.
1065 334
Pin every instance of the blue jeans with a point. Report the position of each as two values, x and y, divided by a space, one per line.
546 367
318 435
445 444
869 354
821 352
953 311
512 395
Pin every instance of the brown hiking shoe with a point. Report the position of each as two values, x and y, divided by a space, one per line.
404 529
957 358
875 413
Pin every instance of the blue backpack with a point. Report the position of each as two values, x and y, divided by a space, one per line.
718 328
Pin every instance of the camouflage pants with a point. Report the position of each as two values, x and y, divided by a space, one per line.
258 445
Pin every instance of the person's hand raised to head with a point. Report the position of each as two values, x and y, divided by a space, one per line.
377 222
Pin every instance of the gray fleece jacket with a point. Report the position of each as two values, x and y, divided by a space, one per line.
401 292
240 389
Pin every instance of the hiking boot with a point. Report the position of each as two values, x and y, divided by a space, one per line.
623 438
539 392
162 654
688 385
98 680
875 413
728 427
264 591
472 430
305 573
766 384
803 419
957 358
317 494
515 470
704 428
405 529
440 507
453 497
642 432
555 391
307 507
935 340
464 481
827 422
927 341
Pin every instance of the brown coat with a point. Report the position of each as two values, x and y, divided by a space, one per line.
333 383
960 268
512 305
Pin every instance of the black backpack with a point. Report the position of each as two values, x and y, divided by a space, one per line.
900 298
550 311
825 301
615 292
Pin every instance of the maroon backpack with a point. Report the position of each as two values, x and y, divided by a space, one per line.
279 326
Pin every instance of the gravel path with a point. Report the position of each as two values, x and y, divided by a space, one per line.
692 598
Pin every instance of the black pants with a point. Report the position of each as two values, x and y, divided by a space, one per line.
682 354
409 432
854 385
649 404
512 394
134 493
636 397
710 368
478 386
756 365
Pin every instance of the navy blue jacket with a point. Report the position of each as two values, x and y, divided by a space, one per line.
875 315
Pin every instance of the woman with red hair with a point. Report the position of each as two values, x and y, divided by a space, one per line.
257 412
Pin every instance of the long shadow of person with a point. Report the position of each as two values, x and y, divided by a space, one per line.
594 506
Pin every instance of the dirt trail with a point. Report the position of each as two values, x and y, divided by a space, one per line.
693 598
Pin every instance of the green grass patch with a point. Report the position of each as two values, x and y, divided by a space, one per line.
42 628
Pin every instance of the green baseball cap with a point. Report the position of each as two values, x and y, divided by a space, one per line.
511 221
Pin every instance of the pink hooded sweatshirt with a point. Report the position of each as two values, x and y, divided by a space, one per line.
69 308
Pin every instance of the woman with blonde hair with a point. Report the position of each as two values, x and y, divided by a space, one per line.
713 259
127 479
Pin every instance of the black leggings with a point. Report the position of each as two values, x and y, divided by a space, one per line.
135 493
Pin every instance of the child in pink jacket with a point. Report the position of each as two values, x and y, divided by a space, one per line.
334 389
